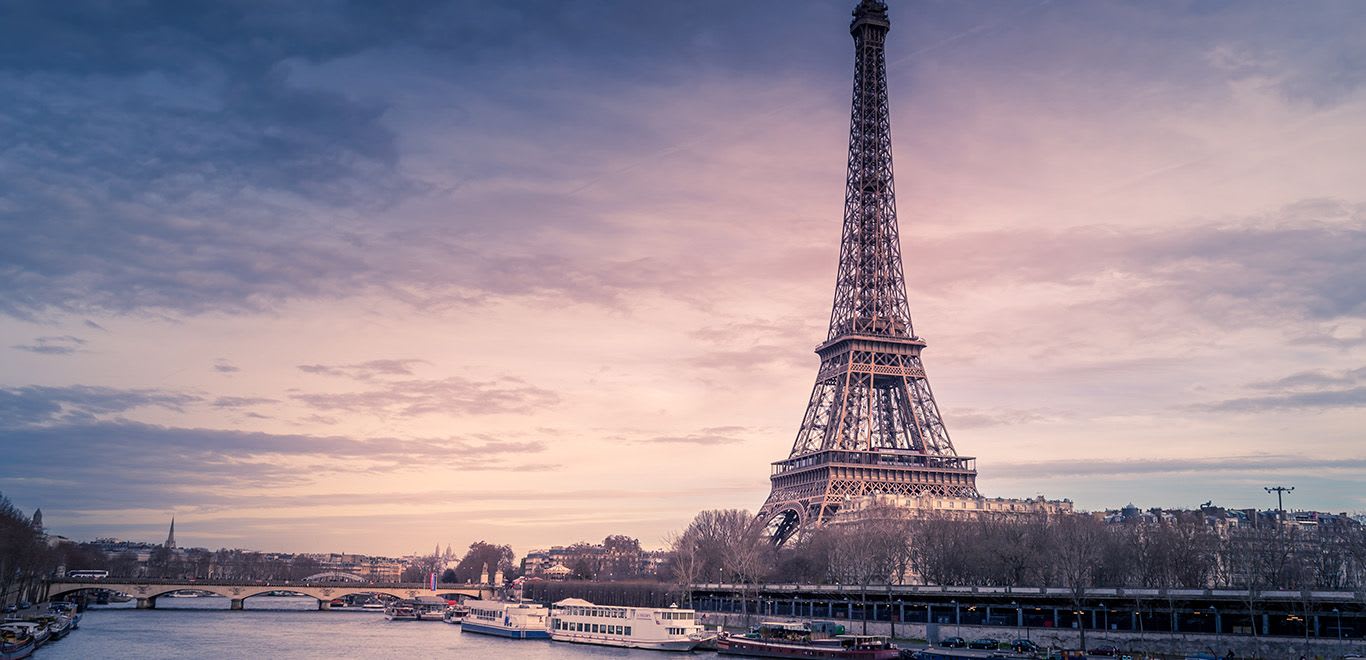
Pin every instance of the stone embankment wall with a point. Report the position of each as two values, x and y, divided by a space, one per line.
1154 645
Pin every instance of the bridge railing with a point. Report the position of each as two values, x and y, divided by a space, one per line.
1039 592
190 582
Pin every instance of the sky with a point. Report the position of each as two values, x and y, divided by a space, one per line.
342 277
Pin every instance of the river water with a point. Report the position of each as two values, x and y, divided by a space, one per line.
289 627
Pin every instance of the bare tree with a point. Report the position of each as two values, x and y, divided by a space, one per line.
1079 548
870 549
687 561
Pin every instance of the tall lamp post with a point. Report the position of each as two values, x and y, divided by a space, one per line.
1019 619
894 615
1105 612
957 620
1338 614
1280 492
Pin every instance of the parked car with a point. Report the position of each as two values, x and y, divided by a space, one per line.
23 604
1105 649
11 609
953 643
1024 646
986 643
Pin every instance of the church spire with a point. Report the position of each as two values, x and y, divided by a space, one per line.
170 538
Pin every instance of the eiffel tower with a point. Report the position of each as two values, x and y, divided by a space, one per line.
872 426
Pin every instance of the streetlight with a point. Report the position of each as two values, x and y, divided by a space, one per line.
1215 611
957 620
1279 491
1339 616
1105 611
1019 619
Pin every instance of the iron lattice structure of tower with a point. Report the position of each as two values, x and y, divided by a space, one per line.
872 426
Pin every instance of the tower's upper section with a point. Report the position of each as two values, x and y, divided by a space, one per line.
871 14
870 288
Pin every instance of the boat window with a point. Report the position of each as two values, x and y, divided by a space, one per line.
628 631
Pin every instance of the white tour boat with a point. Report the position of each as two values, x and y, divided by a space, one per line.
515 620
660 629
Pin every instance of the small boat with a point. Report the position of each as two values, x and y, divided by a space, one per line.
422 608
14 648
660 629
455 614
400 610
38 632
784 639
58 625
515 620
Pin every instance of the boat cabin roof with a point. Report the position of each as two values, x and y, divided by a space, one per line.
783 625
574 602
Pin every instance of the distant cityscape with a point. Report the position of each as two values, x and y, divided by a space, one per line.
616 558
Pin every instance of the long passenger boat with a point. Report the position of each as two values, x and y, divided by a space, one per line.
781 639
661 629
515 620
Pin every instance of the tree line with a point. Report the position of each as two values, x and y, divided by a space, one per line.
1078 551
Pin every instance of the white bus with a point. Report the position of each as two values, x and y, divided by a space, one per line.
88 574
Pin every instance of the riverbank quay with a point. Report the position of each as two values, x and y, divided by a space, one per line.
1149 645
1167 621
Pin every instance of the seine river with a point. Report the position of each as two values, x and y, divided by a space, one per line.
288 627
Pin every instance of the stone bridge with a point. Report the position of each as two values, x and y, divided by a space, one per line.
147 590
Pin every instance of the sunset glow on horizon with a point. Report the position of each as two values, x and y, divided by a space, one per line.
369 280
